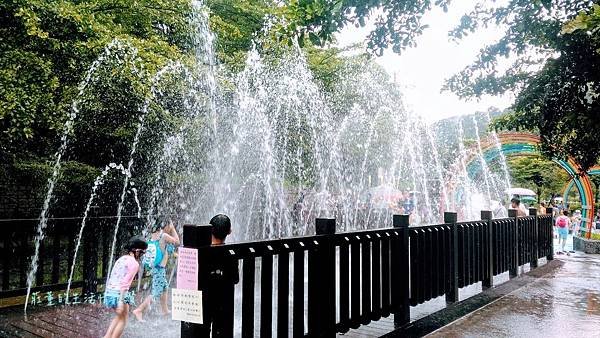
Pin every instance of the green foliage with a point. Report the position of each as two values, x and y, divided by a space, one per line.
47 45
544 177
45 49
327 65
397 23
235 23
559 100
583 21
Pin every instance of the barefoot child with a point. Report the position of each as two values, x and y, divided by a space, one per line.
163 236
116 295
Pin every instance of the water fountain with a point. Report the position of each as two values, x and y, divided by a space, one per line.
273 151
498 145
112 52
97 183
484 167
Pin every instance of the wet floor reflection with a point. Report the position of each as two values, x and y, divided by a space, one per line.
564 303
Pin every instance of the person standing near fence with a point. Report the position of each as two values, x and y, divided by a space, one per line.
542 209
516 204
117 295
163 235
576 223
223 275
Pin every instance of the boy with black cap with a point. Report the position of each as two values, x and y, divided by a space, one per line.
222 276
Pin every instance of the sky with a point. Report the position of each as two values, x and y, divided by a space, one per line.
421 71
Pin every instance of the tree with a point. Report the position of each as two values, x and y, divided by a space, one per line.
537 173
397 23
555 75
46 48
236 24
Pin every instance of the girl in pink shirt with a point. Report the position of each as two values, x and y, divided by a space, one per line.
116 294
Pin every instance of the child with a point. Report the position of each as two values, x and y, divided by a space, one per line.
562 226
222 279
161 239
576 223
116 295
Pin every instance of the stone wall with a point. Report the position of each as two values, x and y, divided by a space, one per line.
589 246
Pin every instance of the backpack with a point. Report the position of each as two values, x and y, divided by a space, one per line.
153 255
562 222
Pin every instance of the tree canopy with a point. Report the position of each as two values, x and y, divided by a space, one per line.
544 177
555 73
397 23
554 45
46 48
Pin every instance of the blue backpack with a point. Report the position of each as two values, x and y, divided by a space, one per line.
153 255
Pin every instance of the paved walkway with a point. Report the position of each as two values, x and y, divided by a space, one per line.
562 303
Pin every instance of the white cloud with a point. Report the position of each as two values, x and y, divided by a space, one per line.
421 71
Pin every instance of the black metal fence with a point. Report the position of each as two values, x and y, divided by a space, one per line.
328 283
57 252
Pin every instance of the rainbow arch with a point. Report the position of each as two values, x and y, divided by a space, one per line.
525 143
595 170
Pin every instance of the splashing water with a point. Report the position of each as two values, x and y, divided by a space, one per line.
274 152
144 112
97 183
111 51
503 164
484 167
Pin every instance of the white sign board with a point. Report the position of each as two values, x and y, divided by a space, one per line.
187 305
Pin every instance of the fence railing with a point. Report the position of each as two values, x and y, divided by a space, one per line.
57 253
329 283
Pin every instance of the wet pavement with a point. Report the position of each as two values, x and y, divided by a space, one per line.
562 303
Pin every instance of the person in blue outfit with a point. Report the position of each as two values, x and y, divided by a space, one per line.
161 244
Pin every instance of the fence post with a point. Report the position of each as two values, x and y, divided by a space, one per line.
513 270
550 236
321 281
400 273
198 237
488 279
536 243
452 293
